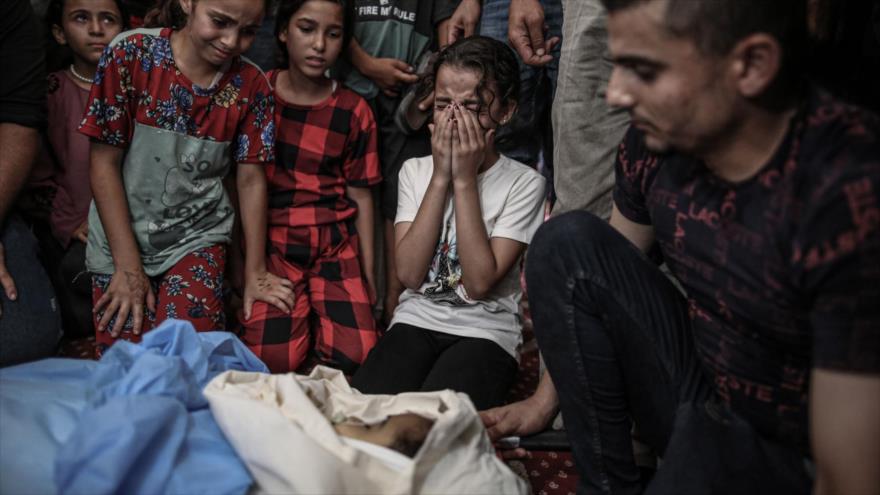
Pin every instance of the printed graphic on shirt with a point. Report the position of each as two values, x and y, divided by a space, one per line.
445 272
180 141
378 10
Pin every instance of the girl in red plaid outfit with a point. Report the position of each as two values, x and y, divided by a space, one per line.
320 201
465 215
171 113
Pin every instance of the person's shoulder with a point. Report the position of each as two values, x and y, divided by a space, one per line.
419 164
635 159
518 171
143 38
250 74
837 132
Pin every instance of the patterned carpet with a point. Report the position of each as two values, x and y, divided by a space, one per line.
548 472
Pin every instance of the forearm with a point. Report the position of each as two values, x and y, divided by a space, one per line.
251 186
478 264
112 205
443 33
359 58
545 397
19 147
363 197
416 249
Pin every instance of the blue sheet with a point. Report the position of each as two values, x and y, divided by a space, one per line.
134 422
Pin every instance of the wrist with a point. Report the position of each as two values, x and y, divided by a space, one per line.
440 179
464 181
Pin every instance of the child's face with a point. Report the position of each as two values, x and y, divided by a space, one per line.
458 85
401 432
222 29
88 26
314 37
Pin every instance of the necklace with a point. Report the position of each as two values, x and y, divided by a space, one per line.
87 80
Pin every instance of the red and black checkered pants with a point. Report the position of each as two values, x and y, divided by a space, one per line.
191 290
333 310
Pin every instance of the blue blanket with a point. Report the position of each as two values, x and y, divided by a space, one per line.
134 422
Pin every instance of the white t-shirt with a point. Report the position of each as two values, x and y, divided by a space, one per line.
512 203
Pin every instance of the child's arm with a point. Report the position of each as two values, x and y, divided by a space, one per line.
129 287
363 197
417 240
259 284
387 73
483 261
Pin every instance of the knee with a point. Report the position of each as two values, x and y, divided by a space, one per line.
569 231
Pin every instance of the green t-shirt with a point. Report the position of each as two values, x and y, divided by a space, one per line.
401 29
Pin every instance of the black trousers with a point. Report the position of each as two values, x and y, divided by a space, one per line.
411 359
617 340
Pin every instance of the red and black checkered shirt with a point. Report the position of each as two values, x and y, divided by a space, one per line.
320 150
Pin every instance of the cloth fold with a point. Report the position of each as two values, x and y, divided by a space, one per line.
134 422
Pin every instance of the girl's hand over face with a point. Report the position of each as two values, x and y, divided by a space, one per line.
441 144
126 294
470 143
271 289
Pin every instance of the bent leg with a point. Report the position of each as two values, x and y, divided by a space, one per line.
192 290
478 367
616 337
280 339
399 362
29 326
345 329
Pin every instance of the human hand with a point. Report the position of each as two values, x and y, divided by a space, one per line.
525 31
522 418
441 143
269 288
128 290
464 20
82 232
389 74
6 279
470 143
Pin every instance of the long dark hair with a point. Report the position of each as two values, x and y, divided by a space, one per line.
286 10
493 60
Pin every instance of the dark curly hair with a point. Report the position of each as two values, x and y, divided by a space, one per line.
493 60
286 10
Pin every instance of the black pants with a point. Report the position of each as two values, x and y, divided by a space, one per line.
411 359
616 338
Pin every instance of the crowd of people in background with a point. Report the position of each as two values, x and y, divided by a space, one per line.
365 184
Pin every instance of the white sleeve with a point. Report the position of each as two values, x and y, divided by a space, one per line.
523 211
407 202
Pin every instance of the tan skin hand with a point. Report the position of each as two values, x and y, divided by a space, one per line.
441 144
390 74
464 20
82 232
269 288
526 32
6 279
470 143
129 289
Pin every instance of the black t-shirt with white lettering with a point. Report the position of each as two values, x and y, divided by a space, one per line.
781 271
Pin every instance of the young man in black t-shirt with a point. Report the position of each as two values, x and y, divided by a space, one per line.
762 194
